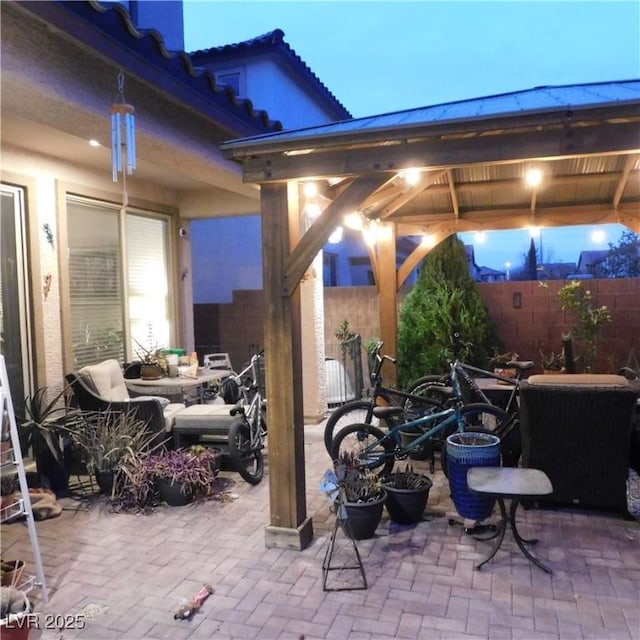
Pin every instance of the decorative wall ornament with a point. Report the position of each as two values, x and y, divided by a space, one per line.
46 287
48 233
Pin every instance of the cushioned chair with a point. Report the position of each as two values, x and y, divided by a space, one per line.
577 429
101 387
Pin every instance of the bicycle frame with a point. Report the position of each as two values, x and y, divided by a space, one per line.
463 370
252 402
386 393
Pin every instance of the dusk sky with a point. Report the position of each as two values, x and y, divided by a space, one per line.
378 57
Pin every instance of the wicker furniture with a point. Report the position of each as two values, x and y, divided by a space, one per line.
577 429
101 387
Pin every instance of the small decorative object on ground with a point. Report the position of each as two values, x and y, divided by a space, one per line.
188 609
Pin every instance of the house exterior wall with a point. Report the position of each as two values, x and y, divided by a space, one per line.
47 180
538 324
274 88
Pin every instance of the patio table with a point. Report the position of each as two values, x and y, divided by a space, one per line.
180 386
516 484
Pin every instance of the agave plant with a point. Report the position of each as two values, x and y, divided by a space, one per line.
407 479
42 422
358 483
107 438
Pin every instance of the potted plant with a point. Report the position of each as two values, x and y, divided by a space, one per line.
43 429
105 439
150 362
407 495
552 362
361 497
181 475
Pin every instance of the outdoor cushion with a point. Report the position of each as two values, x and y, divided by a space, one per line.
107 379
586 379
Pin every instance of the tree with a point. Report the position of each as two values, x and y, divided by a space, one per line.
528 270
623 259
443 300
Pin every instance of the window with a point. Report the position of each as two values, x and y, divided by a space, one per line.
330 269
101 322
233 79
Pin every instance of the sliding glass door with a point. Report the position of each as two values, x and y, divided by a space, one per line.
15 328
119 281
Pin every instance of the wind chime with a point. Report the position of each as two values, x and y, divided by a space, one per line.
123 138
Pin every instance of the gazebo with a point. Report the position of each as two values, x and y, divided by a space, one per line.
427 172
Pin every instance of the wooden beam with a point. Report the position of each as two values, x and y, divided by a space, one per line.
339 134
628 165
409 194
452 193
631 220
388 298
373 258
316 236
289 525
571 142
515 218
416 256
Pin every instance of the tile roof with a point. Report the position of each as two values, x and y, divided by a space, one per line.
536 100
116 21
271 42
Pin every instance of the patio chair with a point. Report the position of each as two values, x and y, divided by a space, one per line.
577 429
101 387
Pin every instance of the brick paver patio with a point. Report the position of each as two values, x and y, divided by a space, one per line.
127 574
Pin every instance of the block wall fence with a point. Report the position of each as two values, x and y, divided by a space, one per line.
528 318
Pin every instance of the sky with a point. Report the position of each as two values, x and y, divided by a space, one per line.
379 57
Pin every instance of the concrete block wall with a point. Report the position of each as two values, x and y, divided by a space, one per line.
537 325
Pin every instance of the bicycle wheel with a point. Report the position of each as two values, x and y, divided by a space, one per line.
358 437
354 412
433 389
245 456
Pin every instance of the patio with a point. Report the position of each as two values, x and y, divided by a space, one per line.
128 574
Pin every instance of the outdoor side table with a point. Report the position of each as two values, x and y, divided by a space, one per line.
515 484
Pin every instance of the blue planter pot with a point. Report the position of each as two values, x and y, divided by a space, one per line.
466 450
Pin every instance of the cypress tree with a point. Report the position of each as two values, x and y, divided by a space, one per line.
443 300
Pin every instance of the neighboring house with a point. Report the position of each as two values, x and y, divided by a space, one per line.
481 274
89 266
270 73
591 262
556 270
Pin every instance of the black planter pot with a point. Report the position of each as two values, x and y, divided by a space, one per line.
52 475
362 518
172 494
406 506
104 479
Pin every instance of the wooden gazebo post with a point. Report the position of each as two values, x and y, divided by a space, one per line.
289 525
286 255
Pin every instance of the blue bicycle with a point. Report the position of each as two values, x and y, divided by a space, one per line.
378 450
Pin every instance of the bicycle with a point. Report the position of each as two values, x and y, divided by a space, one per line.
440 388
362 411
378 451
248 432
